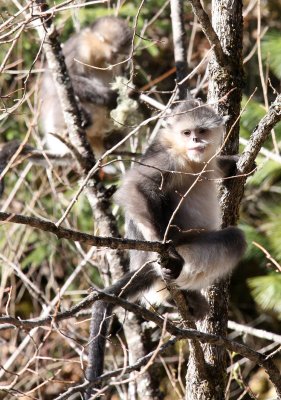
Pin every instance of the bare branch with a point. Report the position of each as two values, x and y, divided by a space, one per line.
179 40
259 135
64 233
216 340
261 333
209 31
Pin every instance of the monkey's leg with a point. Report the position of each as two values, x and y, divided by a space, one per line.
209 256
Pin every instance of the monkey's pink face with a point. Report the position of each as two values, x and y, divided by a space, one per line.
199 144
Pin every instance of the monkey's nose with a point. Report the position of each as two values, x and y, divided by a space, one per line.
194 139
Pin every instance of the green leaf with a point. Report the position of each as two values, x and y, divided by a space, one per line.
36 256
271 45
266 174
266 291
251 116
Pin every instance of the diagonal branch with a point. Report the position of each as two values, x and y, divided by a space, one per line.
56 63
180 333
209 31
247 159
70 234
259 135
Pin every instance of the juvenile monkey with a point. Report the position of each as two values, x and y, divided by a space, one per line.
171 194
106 42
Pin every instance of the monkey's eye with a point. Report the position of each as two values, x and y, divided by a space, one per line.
203 130
186 132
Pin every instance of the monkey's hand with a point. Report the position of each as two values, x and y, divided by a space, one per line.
172 265
228 165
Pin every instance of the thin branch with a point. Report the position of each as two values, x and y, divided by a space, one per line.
70 234
259 135
231 345
179 40
260 333
209 31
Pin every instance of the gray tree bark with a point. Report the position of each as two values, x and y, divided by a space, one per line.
226 81
97 195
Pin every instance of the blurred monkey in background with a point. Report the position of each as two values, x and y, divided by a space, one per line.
101 51
89 56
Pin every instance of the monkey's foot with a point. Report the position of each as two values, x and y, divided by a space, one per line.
172 266
197 304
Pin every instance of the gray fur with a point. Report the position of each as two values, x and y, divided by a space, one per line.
150 193
149 197
106 42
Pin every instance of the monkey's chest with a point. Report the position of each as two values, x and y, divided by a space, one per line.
199 209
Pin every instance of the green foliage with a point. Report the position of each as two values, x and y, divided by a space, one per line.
267 173
266 291
253 235
271 45
273 230
39 253
251 116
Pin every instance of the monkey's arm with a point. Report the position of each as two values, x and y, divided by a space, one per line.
145 203
142 202
93 91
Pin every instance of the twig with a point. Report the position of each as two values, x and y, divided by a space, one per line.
239 348
261 333
268 256
209 31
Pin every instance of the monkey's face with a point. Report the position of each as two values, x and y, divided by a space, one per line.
199 144
188 142
193 133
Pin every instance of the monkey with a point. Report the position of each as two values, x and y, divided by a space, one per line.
94 57
171 194
108 41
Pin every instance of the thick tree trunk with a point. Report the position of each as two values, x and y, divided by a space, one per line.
225 91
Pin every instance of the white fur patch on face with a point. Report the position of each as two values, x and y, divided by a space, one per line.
196 147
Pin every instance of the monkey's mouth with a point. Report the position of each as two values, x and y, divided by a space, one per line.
200 148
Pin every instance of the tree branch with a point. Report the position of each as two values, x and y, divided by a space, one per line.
180 333
180 53
70 234
259 135
209 31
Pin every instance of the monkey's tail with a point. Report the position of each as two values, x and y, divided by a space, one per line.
98 330
129 287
